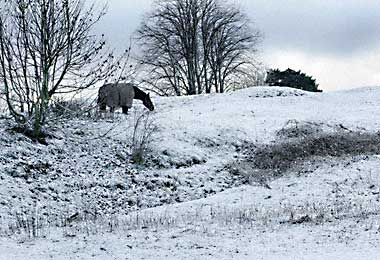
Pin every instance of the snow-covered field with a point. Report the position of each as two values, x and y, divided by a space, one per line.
83 199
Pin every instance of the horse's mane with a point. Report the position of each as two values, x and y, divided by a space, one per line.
139 94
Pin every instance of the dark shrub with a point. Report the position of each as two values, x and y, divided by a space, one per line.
293 79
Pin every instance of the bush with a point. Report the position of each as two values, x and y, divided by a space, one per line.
72 108
293 79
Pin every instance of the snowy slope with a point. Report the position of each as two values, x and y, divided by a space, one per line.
328 211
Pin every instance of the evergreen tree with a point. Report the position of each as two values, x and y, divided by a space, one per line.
292 79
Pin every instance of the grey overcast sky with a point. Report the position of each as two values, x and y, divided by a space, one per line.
336 41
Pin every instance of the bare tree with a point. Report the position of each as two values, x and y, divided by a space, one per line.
169 41
195 46
251 75
161 54
232 47
47 47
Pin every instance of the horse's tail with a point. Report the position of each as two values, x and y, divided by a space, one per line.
101 94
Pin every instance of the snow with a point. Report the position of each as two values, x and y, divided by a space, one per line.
184 204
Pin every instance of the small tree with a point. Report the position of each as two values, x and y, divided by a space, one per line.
293 79
252 76
47 47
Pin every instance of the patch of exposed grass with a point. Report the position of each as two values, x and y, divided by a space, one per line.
299 143
283 156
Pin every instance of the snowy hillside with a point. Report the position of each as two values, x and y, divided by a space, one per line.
261 173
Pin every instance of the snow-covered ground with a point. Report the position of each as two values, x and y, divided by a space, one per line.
184 203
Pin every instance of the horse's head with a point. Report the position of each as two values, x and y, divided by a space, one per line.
148 102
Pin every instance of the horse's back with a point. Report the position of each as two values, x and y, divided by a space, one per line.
127 94
117 94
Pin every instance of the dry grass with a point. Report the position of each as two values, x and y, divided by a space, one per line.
142 136
283 156
300 145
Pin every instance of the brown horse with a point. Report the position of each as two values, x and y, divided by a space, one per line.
116 95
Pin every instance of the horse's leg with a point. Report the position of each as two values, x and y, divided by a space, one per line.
102 109
112 112
125 110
